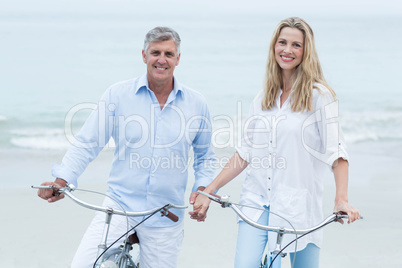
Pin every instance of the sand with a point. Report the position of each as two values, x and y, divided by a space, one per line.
37 234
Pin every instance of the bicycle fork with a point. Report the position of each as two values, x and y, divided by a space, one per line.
278 249
102 246
271 257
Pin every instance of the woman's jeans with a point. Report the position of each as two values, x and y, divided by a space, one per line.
251 243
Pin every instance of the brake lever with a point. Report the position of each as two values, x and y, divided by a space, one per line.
342 215
56 189
223 200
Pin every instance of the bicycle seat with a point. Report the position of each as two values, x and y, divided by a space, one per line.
133 239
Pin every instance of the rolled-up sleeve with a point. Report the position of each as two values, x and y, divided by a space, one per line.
333 141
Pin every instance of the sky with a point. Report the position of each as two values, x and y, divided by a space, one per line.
369 7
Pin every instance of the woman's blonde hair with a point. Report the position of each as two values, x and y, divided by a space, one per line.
307 73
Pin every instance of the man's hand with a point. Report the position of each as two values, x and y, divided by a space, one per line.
49 194
200 206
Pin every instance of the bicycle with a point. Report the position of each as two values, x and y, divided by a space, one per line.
268 261
118 257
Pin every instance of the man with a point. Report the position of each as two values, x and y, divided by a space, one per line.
154 121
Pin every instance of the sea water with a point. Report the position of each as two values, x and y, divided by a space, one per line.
53 60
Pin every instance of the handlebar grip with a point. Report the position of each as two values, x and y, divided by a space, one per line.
171 216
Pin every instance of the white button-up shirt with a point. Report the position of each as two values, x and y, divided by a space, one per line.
288 153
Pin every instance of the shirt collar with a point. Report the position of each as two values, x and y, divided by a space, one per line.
143 84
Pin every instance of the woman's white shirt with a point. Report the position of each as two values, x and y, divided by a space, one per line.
288 154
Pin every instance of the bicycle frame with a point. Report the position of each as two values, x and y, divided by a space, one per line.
109 213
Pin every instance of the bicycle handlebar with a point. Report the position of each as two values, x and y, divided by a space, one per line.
224 201
70 188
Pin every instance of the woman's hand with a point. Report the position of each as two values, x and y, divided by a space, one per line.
200 202
343 206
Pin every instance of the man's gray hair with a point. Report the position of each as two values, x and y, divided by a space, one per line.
159 34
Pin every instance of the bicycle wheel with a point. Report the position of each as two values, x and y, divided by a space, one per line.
120 258
110 257
108 264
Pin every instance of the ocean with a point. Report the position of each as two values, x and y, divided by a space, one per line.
56 59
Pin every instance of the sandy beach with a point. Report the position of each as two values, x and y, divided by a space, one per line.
38 234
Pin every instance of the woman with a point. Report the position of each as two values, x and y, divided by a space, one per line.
291 138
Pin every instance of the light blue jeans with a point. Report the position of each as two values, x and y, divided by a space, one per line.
251 243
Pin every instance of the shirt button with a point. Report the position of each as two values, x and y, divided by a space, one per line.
269 178
269 189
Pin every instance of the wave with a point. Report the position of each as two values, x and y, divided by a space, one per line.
362 126
3 118
41 143
39 138
43 139
357 126
372 125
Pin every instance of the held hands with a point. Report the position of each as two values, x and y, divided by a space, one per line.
49 194
200 206
343 206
